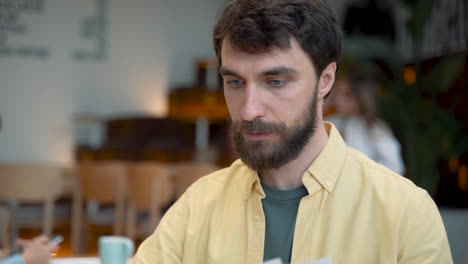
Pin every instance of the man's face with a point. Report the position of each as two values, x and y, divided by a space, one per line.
272 101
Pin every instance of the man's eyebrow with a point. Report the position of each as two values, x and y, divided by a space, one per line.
227 72
280 70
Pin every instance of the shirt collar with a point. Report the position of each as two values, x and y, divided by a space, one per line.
325 169
254 185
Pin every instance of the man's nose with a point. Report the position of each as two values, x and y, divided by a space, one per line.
253 106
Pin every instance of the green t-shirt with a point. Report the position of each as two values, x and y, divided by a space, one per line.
280 208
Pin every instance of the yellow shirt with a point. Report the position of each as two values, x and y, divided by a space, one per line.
357 211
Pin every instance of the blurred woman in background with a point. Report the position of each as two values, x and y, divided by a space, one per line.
355 116
34 251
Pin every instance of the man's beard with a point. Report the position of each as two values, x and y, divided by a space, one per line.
264 154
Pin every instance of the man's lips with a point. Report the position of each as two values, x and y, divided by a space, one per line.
252 135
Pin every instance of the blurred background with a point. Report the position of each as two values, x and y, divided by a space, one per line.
109 109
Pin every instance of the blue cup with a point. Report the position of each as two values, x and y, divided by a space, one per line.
115 249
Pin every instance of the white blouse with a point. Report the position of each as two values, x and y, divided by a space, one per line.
376 141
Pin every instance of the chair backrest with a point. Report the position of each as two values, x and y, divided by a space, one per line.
34 183
30 182
148 183
4 225
186 173
103 181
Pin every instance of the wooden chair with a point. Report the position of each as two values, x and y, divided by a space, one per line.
149 188
103 183
186 173
31 183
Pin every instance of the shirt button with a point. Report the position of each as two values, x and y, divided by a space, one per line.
329 183
256 218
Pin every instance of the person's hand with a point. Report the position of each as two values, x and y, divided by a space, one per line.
37 250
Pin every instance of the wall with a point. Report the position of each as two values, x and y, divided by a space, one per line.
151 46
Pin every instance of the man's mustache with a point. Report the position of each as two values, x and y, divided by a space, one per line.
258 126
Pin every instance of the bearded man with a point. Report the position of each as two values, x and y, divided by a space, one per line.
297 192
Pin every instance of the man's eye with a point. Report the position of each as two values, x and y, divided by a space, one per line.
277 82
234 83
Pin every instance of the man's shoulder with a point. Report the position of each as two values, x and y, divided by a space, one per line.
380 178
220 181
222 176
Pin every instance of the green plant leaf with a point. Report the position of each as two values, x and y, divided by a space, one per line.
368 48
443 75
408 3
421 11
461 145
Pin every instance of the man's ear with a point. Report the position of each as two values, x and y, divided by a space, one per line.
326 81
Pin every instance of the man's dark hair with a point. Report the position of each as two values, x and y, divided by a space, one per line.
258 26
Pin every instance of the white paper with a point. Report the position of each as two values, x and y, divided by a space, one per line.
94 260
273 261
325 260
